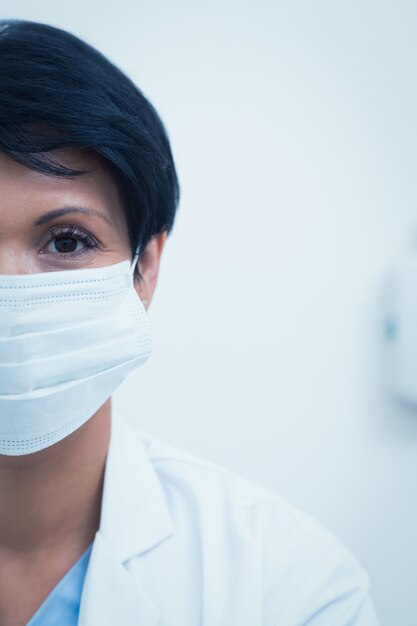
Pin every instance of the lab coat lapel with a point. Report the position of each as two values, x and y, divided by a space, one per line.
134 519
111 596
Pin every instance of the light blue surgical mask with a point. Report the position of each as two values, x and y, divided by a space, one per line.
67 340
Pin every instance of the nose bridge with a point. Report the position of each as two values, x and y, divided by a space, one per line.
14 259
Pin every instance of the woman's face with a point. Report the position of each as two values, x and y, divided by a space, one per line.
49 223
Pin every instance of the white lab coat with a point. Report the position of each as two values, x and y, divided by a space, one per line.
184 542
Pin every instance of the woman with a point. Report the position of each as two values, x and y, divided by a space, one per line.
101 524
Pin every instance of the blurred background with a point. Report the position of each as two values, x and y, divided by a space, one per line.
293 126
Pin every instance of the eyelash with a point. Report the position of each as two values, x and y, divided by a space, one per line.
76 233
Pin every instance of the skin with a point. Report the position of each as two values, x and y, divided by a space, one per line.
50 500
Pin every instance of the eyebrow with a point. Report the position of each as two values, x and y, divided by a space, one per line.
51 215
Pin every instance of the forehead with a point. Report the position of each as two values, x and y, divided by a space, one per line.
24 191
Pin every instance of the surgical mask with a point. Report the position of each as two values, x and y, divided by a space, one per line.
67 340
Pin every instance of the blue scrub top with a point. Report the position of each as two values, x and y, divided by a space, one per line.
62 605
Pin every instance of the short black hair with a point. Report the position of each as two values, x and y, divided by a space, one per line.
57 92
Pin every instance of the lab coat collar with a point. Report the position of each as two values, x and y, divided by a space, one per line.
134 519
134 513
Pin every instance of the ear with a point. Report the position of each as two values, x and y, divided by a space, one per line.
148 263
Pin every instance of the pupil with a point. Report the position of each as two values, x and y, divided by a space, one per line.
65 244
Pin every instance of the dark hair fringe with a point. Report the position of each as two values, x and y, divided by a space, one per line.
58 92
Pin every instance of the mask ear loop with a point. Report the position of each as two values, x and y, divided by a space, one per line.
135 261
133 267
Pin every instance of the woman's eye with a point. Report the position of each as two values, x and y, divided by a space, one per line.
65 244
68 241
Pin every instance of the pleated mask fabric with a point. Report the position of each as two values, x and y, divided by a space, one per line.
67 340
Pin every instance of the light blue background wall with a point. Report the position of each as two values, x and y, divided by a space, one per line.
294 129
